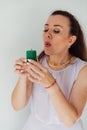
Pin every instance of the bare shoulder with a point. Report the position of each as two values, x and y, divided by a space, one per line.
78 96
81 81
82 76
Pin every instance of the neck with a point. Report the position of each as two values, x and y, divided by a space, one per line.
57 62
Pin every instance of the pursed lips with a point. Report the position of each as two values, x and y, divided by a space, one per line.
47 44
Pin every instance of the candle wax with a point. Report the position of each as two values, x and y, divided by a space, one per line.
31 54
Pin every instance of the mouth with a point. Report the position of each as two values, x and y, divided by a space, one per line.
47 44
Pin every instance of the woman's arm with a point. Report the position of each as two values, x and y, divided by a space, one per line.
23 88
21 93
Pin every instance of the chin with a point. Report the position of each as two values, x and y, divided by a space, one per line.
48 53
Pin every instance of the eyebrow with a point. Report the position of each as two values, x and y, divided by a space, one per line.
55 25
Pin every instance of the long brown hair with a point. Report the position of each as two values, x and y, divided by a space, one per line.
78 49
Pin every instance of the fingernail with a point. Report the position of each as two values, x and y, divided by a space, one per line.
22 71
29 60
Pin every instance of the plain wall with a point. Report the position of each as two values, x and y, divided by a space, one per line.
21 27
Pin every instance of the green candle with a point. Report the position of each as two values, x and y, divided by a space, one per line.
31 54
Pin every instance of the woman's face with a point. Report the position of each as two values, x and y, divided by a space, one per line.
56 35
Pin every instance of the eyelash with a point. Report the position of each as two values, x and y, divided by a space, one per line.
54 31
45 30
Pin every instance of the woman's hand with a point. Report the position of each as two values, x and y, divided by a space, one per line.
19 67
38 73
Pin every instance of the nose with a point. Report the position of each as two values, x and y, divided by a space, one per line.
49 35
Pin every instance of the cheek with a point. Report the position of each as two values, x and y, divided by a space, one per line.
60 44
61 41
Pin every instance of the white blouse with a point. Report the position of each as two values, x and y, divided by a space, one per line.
42 108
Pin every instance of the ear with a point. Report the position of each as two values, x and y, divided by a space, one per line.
72 40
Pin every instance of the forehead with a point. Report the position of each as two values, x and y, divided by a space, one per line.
58 20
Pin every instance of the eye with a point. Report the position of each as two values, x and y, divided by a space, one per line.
56 31
45 30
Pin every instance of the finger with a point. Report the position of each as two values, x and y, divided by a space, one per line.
39 65
20 61
36 70
17 71
17 67
21 72
23 59
34 74
32 79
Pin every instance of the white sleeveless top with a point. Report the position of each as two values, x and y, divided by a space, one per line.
42 109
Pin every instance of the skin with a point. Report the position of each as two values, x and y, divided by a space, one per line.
60 41
68 110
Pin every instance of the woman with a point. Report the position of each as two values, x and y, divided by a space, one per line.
56 85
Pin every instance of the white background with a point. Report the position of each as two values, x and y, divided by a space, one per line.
21 27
